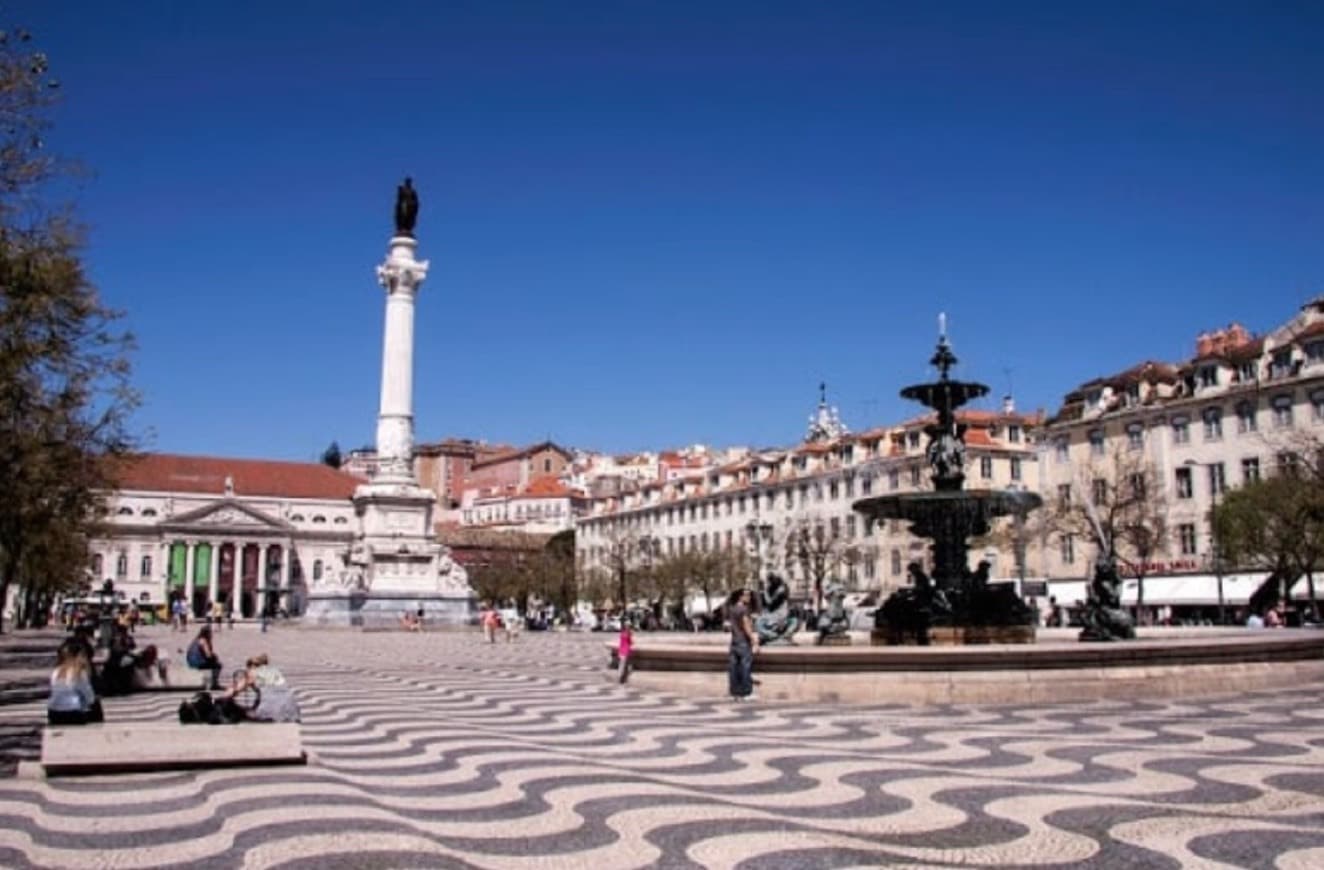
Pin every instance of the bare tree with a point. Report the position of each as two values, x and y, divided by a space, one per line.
818 549
1118 501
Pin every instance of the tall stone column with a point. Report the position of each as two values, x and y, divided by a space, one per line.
401 276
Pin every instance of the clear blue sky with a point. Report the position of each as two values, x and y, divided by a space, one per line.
655 223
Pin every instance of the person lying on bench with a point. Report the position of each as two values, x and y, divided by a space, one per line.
261 692
72 701
202 656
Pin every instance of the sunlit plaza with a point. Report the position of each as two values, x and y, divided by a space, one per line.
440 750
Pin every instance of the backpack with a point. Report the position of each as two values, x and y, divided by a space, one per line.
199 710
194 656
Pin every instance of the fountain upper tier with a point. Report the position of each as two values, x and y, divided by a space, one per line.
945 393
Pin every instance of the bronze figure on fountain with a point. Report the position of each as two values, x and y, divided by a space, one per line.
950 595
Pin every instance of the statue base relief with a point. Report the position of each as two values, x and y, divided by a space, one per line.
395 566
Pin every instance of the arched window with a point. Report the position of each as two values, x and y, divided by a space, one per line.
319 519
125 511
149 512
297 518
340 521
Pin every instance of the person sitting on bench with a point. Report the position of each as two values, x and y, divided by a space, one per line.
202 656
72 701
260 691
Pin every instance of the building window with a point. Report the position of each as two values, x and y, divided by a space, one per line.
1209 376
818 492
1064 494
96 564
1136 483
319 519
850 527
1213 424
1281 365
703 511
790 499
340 521
1015 468
125 512
1282 411
986 467
1099 490
1316 402
1014 434
1250 469
546 465
893 479
1135 436
849 486
151 512
833 491
1217 479
914 475
870 569
317 570
896 563
1186 534
1245 417
145 567
1096 442
1068 545
1181 430
1315 352
912 438
1185 489
122 565
866 484
834 526
1062 449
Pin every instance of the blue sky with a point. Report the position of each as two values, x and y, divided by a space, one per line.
656 223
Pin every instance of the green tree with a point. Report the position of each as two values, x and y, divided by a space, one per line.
1275 524
65 397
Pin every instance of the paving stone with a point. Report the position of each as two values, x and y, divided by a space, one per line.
440 750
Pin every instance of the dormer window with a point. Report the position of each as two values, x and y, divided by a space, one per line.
1281 366
1208 376
1246 372
1014 433
1133 395
912 439
1315 352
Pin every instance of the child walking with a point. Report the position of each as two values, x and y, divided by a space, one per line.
623 646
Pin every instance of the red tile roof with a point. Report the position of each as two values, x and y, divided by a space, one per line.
167 472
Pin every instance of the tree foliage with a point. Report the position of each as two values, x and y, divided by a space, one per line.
331 455
1276 524
65 397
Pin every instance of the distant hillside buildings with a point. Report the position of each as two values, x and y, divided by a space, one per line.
248 531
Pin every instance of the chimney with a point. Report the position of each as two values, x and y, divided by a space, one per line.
1008 405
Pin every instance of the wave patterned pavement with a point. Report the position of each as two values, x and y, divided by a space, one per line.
438 750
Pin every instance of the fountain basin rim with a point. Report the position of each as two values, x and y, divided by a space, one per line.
993 502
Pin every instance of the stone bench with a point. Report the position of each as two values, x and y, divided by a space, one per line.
134 747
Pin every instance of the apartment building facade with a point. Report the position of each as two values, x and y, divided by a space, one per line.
1241 407
758 504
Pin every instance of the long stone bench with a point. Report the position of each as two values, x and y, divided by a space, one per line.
133 747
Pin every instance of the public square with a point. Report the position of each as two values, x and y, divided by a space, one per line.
438 750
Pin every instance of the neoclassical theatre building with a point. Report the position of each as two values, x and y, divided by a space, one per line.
242 532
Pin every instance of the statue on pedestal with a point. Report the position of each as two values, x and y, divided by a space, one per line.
1104 616
406 208
833 623
775 622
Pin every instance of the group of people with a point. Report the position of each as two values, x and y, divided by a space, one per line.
491 621
258 693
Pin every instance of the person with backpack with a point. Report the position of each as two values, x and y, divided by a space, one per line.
201 656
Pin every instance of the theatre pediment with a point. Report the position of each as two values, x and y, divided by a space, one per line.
229 515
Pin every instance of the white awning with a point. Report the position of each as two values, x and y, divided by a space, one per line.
1174 590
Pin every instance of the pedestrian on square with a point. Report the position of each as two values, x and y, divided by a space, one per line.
624 644
490 621
201 656
744 644
73 700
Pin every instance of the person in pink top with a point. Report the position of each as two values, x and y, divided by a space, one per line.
623 646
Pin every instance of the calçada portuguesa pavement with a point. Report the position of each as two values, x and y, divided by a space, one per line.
438 750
